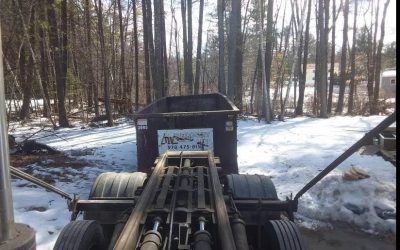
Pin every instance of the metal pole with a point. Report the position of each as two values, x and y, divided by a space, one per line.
6 204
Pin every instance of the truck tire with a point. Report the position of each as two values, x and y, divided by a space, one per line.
252 187
81 235
113 185
249 187
282 235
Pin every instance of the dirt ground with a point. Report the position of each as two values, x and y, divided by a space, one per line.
344 237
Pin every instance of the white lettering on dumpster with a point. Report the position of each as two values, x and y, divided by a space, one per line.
185 139
141 124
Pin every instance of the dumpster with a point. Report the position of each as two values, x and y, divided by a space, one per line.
188 123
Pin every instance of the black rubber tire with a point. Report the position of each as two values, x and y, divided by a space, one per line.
81 235
282 235
113 185
243 186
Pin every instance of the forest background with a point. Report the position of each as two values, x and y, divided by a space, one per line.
95 59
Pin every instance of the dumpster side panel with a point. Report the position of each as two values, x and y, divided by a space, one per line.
146 140
225 142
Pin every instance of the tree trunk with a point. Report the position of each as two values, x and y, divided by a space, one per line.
268 57
322 60
158 49
234 30
302 80
204 70
29 83
371 58
59 47
123 80
147 80
135 38
343 76
178 68
104 66
165 83
190 47
260 29
185 43
89 76
26 87
61 90
239 72
150 40
198 56
253 83
258 94
353 62
333 53
43 58
372 66
221 47
378 61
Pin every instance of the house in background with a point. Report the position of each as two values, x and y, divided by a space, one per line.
310 76
388 84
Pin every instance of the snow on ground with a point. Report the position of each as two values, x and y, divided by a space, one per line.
290 152
295 151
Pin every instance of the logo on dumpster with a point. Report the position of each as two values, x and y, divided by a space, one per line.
185 139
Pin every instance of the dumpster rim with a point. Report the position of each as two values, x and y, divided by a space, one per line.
234 110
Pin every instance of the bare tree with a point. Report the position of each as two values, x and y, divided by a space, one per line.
135 37
378 61
353 62
333 53
104 65
189 70
295 54
158 49
260 29
198 56
34 62
185 43
123 80
177 56
302 80
147 80
150 42
234 30
92 94
26 72
43 57
343 75
323 8
221 47
59 47
164 52
372 56
268 57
